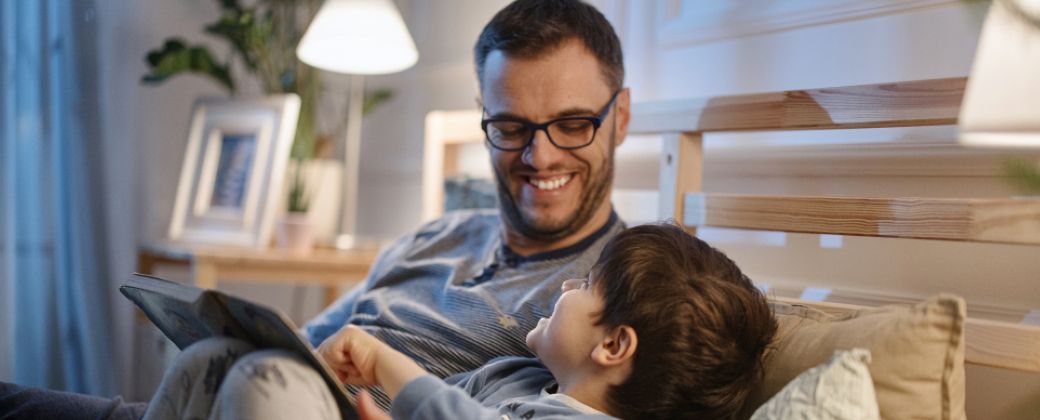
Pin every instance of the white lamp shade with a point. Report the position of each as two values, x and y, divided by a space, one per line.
1002 99
358 37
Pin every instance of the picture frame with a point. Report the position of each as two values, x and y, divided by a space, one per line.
233 171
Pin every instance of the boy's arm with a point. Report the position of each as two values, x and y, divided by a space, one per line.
360 359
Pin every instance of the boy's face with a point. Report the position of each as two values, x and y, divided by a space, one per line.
565 340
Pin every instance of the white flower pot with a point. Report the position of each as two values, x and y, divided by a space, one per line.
295 233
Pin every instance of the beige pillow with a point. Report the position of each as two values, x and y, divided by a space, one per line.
917 352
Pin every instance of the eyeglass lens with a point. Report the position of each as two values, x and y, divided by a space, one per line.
565 133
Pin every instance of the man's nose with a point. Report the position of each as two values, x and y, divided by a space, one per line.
571 284
541 153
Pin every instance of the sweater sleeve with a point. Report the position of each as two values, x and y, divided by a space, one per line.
427 397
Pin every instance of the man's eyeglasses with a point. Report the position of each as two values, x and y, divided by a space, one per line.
568 133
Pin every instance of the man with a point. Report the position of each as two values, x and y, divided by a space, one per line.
468 287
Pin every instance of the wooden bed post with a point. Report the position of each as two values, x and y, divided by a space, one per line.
682 161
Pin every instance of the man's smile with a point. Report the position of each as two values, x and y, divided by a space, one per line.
549 183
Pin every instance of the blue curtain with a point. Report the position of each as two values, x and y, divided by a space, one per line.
52 245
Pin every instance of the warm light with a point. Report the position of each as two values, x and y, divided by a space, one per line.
1002 100
358 37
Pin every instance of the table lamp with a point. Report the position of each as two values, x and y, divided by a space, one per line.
356 37
1001 105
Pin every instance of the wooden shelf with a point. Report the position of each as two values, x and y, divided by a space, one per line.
1014 221
330 268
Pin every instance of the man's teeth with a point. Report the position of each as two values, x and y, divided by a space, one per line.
550 184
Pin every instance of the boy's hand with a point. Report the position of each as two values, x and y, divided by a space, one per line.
367 408
358 358
352 354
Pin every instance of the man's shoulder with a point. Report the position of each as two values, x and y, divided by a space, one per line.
461 220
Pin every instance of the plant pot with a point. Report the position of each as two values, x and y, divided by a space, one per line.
295 233
323 183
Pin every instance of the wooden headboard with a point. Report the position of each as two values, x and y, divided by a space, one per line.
683 124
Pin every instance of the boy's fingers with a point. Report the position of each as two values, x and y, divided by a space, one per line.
367 408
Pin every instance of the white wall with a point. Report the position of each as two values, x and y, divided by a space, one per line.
144 129
392 140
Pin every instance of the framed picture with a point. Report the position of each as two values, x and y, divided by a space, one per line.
233 170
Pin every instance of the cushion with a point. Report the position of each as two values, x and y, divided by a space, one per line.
917 353
840 389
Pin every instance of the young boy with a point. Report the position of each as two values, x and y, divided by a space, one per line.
665 326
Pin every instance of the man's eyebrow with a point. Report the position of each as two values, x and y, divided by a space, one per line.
569 112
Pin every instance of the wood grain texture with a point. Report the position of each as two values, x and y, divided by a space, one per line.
682 165
902 104
1015 221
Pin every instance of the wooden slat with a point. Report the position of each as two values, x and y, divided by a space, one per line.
986 343
681 171
1014 221
1002 345
903 104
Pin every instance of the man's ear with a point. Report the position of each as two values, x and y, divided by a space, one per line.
624 114
617 347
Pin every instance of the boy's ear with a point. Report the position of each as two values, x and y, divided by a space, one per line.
617 347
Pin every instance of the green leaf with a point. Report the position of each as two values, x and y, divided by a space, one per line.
374 99
230 5
235 27
176 57
1023 174
298 200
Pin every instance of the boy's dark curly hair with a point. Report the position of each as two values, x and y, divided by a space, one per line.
702 326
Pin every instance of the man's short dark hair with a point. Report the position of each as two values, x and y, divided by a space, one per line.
702 326
532 28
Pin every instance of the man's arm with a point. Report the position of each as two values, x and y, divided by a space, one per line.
334 317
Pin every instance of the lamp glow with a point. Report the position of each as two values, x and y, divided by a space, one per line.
358 37
1001 105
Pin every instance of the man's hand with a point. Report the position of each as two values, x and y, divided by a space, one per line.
358 358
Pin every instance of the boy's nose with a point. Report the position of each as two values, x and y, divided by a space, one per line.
571 284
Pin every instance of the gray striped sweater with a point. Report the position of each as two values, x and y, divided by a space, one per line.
452 296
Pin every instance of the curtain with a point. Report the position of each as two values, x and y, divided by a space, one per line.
55 311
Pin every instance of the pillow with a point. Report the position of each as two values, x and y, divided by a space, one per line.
917 352
839 389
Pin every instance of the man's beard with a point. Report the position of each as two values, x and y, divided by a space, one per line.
593 192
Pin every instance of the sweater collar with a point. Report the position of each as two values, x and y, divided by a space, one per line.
512 259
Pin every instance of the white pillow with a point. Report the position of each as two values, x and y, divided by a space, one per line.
839 389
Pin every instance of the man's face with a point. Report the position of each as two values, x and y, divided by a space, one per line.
564 341
547 193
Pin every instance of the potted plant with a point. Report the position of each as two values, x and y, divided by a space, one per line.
263 38
294 231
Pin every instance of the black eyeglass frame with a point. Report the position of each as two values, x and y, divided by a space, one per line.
534 127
